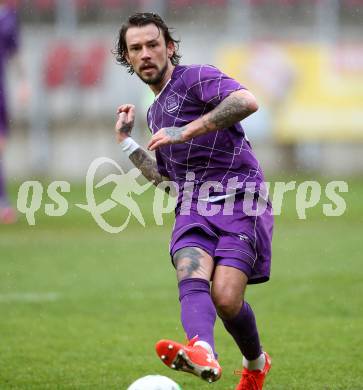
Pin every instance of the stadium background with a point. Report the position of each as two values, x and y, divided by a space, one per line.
76 308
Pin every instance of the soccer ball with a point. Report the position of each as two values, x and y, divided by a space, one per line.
154 382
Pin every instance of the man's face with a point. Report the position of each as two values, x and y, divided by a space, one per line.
148 53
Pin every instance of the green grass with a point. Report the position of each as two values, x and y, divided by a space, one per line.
114 296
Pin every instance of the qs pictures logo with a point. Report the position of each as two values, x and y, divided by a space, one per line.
308 195
125 185
30 196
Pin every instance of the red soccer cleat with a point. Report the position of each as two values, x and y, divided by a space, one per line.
253 379
189 358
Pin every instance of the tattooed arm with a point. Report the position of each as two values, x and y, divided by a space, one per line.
237 106
140 158
147 165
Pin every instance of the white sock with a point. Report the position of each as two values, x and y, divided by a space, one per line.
257 364
206 346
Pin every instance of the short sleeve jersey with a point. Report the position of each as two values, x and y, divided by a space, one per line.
193 91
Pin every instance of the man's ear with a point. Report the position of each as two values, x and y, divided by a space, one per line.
127 57
170 49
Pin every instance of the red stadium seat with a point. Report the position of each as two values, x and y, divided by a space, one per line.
58 65
113 4
83 4
220 3
256 2
181 3
91 65
186 3
12 3
44 5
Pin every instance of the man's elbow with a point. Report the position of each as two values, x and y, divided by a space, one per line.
249 102
252 106
246 102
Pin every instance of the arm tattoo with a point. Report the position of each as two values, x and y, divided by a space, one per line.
191 263
231 110
147 166
126 128
175 133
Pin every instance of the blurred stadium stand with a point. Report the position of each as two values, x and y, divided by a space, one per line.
57 67
301 45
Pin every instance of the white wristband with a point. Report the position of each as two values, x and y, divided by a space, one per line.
129 146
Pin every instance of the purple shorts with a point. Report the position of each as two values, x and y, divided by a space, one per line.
239 240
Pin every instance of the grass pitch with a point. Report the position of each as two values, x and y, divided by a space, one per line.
82 309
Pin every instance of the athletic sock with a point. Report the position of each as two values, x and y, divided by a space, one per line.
205 345
257 364
198 314
244 331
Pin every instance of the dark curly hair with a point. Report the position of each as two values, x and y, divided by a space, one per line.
139 20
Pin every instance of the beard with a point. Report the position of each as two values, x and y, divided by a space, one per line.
155 79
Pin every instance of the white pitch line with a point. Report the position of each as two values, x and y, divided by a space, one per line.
30 297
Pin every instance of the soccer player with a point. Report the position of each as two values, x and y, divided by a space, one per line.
201 146
9 32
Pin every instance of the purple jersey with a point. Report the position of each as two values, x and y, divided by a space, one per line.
193 91
8 45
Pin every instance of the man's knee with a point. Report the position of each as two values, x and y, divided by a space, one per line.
228 304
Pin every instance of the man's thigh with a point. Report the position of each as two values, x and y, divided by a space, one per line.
193 262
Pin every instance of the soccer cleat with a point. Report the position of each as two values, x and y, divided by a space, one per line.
253 379
7 215
189 358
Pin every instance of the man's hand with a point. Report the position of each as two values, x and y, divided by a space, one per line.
125 121
167 136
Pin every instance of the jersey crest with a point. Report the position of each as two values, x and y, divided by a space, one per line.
172 103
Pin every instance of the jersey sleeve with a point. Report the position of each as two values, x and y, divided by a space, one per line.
209 85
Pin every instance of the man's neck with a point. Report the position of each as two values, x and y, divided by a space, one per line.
157 88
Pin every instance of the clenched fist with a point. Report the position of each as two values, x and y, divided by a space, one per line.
125 121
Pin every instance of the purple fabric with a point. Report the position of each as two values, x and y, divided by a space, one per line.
198 314
244 331
9 35
193 91
9 31
238 240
